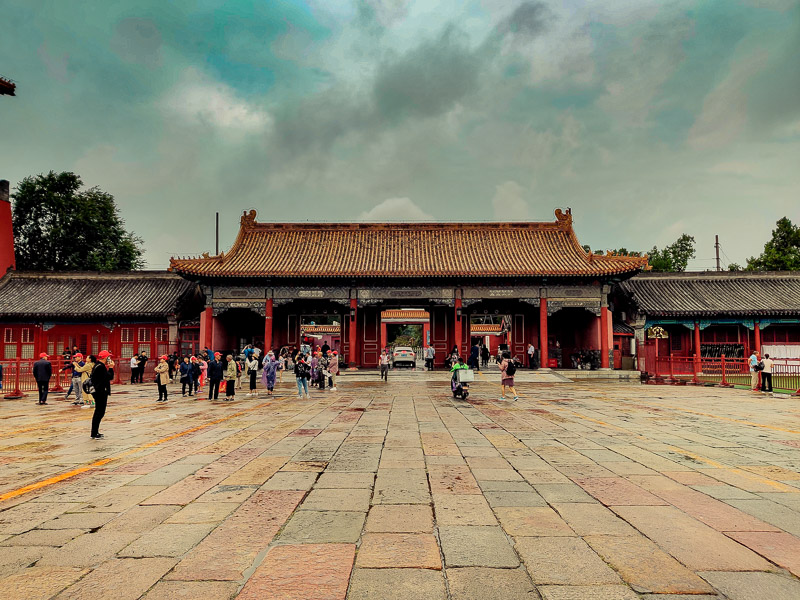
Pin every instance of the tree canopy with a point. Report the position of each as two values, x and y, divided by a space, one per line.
781 252
60 227
674 257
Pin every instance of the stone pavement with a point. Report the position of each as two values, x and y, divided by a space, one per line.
603 491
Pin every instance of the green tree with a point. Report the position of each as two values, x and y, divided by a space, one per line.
674 257
782 252
59 227
733 267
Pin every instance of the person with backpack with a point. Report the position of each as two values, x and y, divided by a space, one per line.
507 371
231 375
302 372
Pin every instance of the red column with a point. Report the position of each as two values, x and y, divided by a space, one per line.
384 336
459 328
604 346
543 330
353 334
426 333
697 338
268 326
758 337
206 328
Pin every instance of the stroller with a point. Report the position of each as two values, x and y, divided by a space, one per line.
460 381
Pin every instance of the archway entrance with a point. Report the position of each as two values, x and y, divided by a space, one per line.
241 326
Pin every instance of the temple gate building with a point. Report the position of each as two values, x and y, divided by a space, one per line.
279 278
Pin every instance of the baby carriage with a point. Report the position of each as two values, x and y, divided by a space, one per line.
460 381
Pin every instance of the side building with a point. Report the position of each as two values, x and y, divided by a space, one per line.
712 313
151 311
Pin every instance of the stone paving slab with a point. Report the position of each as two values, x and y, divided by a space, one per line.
600 490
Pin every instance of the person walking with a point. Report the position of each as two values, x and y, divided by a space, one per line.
474 357
271 368
231 376
333 369
162 378
753 362
195 373
186 376
531 351
383 362
302 373
766 374
42 372
507 371
430 356
322 367
485 356
215 373
134 368
102 388
251 366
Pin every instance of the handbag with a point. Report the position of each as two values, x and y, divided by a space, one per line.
88 386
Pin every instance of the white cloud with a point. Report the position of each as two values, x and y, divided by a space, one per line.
725 107
509 202
198 99
395 209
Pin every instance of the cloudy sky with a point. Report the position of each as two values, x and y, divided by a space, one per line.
649 118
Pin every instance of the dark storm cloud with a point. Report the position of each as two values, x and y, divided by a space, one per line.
529 19
429 80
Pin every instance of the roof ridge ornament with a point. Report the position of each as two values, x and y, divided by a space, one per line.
564 219
248 218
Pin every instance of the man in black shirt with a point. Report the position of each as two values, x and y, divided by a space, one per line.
102 388
42 372
214 373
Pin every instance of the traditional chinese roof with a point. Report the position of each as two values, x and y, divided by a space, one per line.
412 315
622 328
711 294
366 250
93 296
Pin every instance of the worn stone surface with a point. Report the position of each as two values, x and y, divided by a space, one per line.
308 571
391 584
564 561
478 583
678 492
400 550
465 546
400 518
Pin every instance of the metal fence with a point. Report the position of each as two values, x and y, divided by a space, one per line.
722 371
18 376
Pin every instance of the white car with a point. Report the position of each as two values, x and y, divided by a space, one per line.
404 355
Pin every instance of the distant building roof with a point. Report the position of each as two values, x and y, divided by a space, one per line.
487 328
411 315
145 294
320 329
710 294
370 250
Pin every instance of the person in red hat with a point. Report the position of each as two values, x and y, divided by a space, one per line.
42 372
215 372
333 369
102 388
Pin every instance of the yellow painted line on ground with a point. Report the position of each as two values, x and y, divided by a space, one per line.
782 487
69 474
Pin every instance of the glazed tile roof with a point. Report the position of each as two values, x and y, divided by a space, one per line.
295 250
711 294
320 328
145 294
415 315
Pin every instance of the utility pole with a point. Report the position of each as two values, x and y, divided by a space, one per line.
216 246
716 247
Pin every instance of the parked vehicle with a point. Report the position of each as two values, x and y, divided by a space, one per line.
404 356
